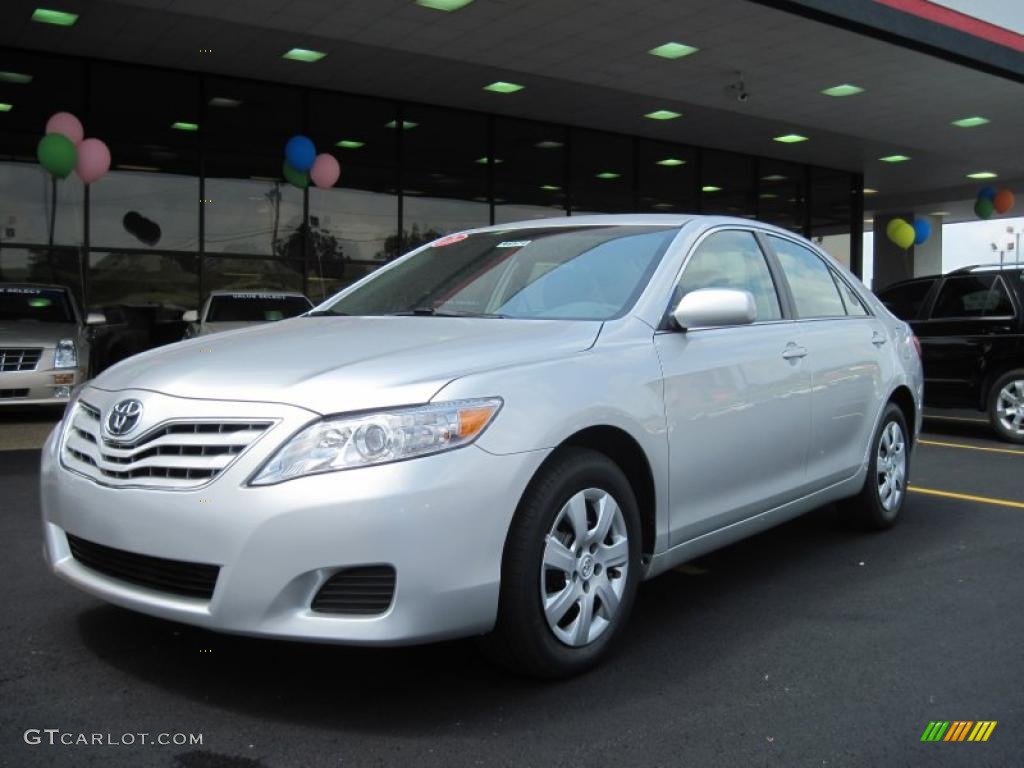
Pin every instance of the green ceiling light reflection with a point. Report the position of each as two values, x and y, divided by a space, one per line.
486 160
550 188
774 177
303 54
970 122
843 90
670 162
444 5
407 125
673 50
181 125
789 138
607 175
57 18
710 188
15 77
500 86
982 175
894 158
662 114
4 107
350 144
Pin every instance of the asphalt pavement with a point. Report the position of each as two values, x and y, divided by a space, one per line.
810 645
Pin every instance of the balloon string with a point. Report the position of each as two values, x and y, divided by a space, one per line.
53 206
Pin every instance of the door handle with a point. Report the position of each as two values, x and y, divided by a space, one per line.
878 339
793 352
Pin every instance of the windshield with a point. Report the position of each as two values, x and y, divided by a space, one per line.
42 305
255 307
583 273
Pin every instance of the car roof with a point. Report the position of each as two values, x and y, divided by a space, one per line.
635 219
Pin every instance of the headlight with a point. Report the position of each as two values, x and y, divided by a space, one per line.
379 437
66 355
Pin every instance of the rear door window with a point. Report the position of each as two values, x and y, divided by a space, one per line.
814 291
905 301
970 296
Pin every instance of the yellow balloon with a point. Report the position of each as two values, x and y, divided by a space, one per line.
905 235
892 227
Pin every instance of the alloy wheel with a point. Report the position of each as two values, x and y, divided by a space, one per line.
891 466
1010 407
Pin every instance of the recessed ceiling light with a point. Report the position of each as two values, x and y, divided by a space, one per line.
406 125
663 206
710 188
486 160
673 50
183 126
870 191
129 167
15 77
774 177
982 175
6 107
50 16
444 5
548 144
970 122
550 187
607 175
789 138
843 90
500 86
224 101
671 162
303 54
894 158
350 144
768 196
663 114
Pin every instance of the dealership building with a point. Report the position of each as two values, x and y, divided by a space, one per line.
825 118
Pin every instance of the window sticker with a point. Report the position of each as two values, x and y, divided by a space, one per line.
271 296
513 243
457 237
29 291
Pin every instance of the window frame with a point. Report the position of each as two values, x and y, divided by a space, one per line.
926 301
934 300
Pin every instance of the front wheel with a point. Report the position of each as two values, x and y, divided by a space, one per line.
571 567
1006 406
881 499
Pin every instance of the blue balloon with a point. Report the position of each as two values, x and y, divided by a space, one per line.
300 153
922 230
989 193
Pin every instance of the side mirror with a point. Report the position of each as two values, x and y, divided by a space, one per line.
190 316
95 318
711 307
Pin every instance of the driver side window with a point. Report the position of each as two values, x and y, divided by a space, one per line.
732 259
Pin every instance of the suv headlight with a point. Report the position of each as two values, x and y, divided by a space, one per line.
378 437
66 355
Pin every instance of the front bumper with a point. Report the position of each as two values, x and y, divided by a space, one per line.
440 521
38 387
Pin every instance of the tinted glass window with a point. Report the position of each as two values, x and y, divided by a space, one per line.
40 305
591 273
972 296
732 259
242 307
854 306
814 291
905 300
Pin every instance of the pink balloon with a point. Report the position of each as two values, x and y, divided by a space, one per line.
325 171
93 160
67 124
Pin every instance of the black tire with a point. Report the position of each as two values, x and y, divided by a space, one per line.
866 509
522 640
1004 432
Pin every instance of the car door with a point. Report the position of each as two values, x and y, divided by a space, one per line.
737 399
969 314
848 357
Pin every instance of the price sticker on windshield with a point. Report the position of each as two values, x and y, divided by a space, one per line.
513 244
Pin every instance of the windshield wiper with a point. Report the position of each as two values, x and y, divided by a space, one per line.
326 313
431 312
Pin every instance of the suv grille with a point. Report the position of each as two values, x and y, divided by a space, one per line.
176 576
6 394
362 591
175 455
12 359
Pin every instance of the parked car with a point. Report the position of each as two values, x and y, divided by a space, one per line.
134 328
227 310
44 344
501 433
971 326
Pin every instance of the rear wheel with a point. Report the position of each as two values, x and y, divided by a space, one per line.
570 569
1006 406
881 499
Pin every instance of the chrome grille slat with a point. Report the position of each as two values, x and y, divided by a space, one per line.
179 454
19 358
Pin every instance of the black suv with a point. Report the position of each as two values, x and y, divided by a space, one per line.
971 327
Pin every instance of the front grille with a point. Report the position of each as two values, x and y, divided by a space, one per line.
361 591
175 455
175 576
19 359
6 394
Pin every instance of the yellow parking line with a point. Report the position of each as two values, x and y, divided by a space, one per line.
942 444
967 497
956 418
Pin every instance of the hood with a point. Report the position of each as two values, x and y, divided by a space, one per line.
207 328
27 333
336 364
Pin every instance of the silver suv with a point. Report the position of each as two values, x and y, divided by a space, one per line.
500 434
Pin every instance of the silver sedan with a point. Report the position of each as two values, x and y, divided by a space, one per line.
500 434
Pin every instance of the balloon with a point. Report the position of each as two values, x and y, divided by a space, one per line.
296 178
67 125
905 236
93 160
893 227
300 153
922 230
988 193
983 207
57 154
1003 200
325 171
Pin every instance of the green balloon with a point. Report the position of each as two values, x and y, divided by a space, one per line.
983 207
57 154
296 178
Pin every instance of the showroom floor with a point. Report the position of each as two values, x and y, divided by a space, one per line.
809 645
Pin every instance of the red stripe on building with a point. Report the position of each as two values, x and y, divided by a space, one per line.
959 21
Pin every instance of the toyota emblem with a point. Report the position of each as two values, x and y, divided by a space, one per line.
124 417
